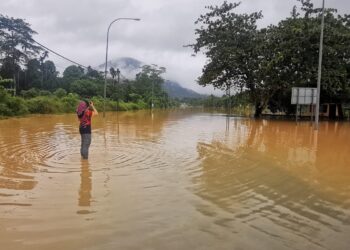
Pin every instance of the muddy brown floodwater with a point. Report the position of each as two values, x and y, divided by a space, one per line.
174 180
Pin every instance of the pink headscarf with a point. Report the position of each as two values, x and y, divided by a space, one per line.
81 108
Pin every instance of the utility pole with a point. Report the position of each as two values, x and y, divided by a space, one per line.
228 94
319 72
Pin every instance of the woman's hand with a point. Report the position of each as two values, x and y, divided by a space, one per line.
93 108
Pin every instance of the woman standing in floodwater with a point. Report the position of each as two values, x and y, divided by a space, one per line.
85 111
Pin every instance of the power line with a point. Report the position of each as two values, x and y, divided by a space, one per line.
60 55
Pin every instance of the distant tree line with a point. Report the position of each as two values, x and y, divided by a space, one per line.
25 72
266 63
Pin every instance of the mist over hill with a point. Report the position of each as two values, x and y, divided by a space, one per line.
129 67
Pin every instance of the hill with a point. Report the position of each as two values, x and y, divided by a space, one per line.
175 90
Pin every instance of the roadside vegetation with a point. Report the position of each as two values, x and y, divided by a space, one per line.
44 102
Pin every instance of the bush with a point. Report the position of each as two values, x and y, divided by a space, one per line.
125 106
60 93
69 103
10 106
134 97
4 96
44 102
5 110
120 106
43 105
99 104
30 93
44 93
142 105
18 106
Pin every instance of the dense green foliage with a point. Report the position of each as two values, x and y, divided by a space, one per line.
268 62
44 102
130 95
31 84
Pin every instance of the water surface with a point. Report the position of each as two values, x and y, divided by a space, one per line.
174 180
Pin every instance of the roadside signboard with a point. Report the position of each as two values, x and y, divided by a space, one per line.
304 96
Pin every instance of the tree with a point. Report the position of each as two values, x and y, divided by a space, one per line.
92 73
33 74
71 74
296 42
267 62
113 73
16 45
148 83
85 88
50 75
230 42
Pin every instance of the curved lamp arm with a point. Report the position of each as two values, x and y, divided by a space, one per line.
105 85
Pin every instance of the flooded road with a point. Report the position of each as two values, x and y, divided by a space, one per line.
174 180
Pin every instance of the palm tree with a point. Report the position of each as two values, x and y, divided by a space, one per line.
113 73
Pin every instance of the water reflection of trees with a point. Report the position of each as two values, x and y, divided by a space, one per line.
287 174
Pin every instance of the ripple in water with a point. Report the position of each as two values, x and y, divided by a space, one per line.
174 180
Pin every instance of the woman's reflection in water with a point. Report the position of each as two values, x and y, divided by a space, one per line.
85 187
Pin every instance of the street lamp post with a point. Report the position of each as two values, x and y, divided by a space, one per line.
105 85
319 72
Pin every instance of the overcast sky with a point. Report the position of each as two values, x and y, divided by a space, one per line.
77 29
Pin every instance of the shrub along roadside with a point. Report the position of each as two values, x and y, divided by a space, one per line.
56 103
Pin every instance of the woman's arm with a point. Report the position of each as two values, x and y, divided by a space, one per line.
94 110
